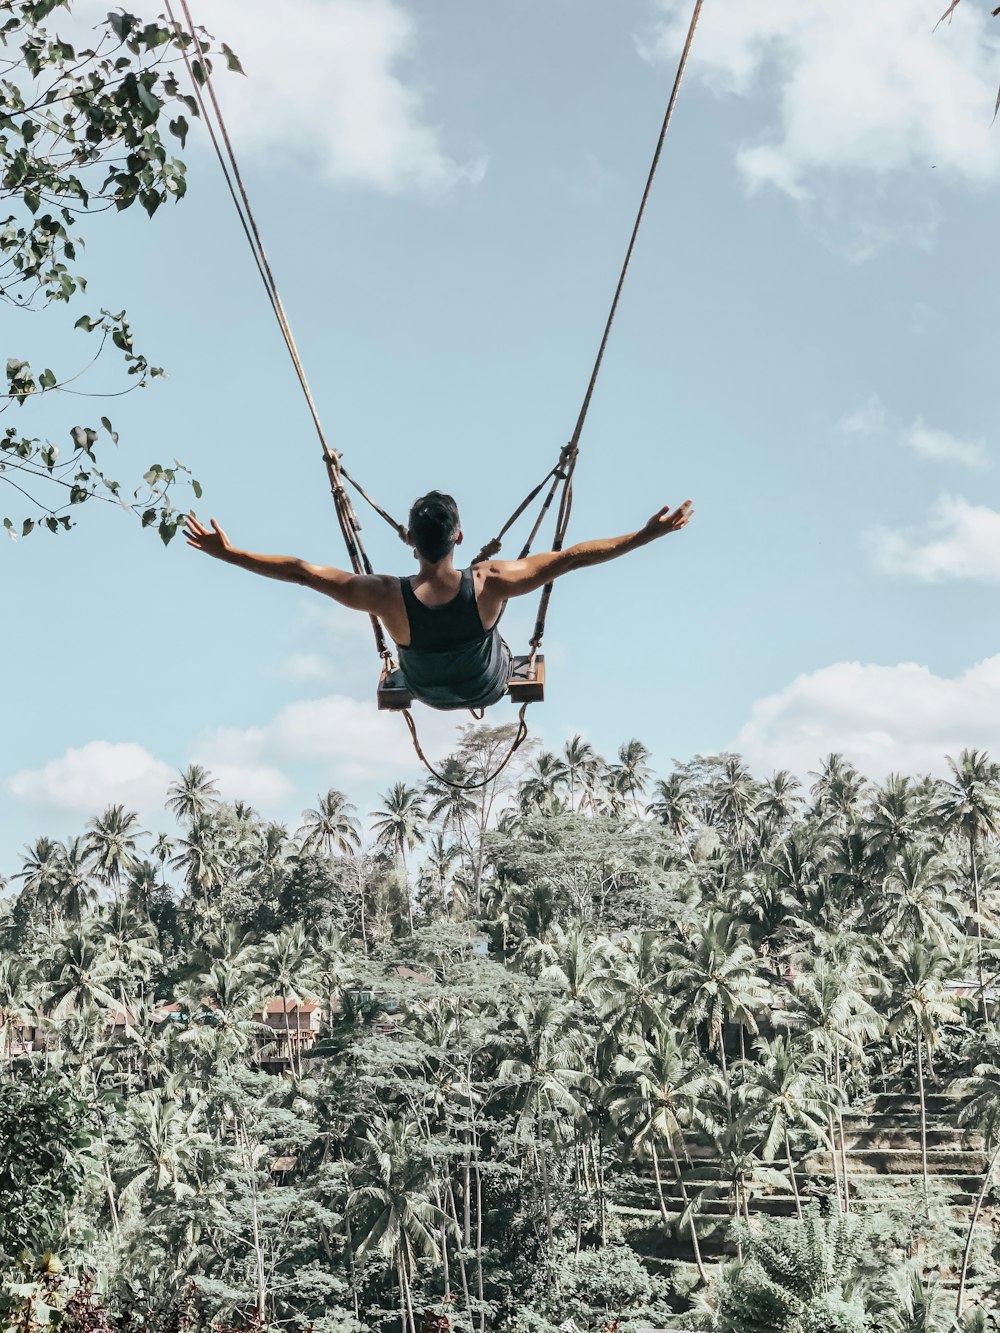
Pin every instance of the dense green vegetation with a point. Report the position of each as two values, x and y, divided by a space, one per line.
585 1045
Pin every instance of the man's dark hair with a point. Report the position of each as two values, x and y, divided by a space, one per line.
434 525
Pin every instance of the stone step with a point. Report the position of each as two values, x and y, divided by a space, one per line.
903 1161
938 1136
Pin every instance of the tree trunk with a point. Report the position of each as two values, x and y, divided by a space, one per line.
722 1051
695 1245
923 1117
404 1323
350 1259
463 1273
791 1176
480 1282
834 1158
980 1197
546 1191
843 1141
578 1187
984 1008
467 1198
260 1273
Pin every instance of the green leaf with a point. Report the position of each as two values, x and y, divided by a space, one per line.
232 60
179 127
47 379
196 487
26 527
121 25
149 99
83 437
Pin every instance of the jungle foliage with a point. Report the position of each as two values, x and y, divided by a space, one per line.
570 1038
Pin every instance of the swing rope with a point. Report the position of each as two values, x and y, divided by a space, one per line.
559 479
563 472
347 519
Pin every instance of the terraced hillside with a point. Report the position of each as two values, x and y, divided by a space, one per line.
884 1172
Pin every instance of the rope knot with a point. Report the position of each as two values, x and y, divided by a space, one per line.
491 549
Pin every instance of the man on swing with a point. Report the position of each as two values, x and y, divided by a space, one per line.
444 621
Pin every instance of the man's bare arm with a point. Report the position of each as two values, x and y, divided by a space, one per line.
360 592
514 578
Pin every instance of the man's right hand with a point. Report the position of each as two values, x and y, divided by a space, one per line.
669 520
214 542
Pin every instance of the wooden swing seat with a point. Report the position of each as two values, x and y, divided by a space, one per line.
524 687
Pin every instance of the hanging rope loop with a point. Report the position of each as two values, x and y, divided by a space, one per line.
519 739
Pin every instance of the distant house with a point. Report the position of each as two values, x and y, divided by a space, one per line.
294 1028
19 1039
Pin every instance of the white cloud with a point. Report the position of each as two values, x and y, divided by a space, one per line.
326 87
883 718
95 775
346 735
306 668
867 420
959 541
940 447
260 785
867 87
928 442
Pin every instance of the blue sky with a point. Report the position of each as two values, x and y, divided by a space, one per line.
807 348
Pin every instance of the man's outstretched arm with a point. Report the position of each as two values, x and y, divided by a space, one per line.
360 592
514 578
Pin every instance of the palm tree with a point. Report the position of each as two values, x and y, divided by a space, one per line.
633 986
779 799
632 772
112 843
921 1003
971 807
194 795
786 1090
543 1073
568 959
539 788
164 1147
897 817
436 873
399 827
76 890
837 792
826 1004
81 972
717 982
674 804
917 899
399 824
579 760
331 825
735 797
656 1094
391 1210
39 876
202 857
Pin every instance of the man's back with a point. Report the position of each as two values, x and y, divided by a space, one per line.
452 660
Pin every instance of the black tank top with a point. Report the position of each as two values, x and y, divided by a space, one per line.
452 661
